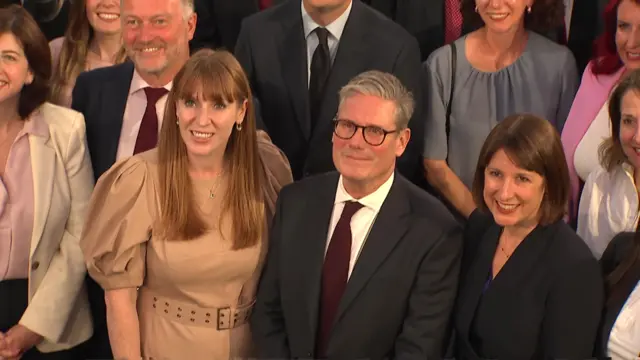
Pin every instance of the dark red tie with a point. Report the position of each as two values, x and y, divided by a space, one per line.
452 20
265 4
148 134
335 273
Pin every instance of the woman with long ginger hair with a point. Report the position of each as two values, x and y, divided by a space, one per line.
92 40
186 223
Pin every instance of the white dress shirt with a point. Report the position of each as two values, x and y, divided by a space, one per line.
362 220
133 113
335 30
586 158
624 340
608 206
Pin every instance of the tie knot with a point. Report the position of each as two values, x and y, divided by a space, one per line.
322 35
153 94
350 208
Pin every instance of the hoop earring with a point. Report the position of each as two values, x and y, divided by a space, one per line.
238 126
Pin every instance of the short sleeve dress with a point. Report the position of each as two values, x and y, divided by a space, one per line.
542 81
194 296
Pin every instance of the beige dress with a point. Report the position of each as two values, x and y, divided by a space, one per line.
195 296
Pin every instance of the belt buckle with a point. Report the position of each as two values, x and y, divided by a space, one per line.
224 316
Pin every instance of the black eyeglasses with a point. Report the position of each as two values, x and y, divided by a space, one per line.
373 135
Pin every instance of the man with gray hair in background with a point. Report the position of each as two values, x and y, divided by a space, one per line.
123 106
362 264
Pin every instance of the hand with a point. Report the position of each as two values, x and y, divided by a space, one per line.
17 341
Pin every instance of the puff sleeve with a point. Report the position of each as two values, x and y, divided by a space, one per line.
276 168
119 225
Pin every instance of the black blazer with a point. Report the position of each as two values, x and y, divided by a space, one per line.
399 297
219 22
101 96
617 250
544 304
272 49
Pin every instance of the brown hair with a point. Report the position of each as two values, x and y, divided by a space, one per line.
75 47
545 16
610 151
533 144
223 80
17 21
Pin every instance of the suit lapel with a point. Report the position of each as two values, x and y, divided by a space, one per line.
114 101
312 250
476 277
43 164
293 54
351 60
388 229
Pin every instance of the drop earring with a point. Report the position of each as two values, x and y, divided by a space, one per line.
529 9
476 8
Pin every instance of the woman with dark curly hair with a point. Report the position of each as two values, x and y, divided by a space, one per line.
504 67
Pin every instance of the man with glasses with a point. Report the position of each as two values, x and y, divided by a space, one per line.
362 264
298 55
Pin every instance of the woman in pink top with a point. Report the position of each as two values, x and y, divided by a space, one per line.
617 52
92 40
45 184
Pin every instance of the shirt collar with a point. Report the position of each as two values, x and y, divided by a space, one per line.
335 28
35 125
373 201
137 83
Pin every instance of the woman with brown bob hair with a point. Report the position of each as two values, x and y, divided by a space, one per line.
530 288
45 186
185 223
609 202
92 40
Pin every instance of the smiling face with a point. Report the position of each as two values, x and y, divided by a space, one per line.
628 33
502 15
512 194
104 16
357 160
629 129
156 34
206 125
14 68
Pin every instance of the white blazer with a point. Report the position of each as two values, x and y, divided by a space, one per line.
62 183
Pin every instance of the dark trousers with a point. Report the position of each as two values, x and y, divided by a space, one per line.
13 303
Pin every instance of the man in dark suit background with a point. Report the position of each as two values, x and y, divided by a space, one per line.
123 105
298 54
362 264
219 22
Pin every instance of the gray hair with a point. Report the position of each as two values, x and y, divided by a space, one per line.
188 7
385 86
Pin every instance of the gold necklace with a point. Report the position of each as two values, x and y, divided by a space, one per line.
504 252
214 187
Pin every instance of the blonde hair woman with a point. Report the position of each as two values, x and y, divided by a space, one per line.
186 222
